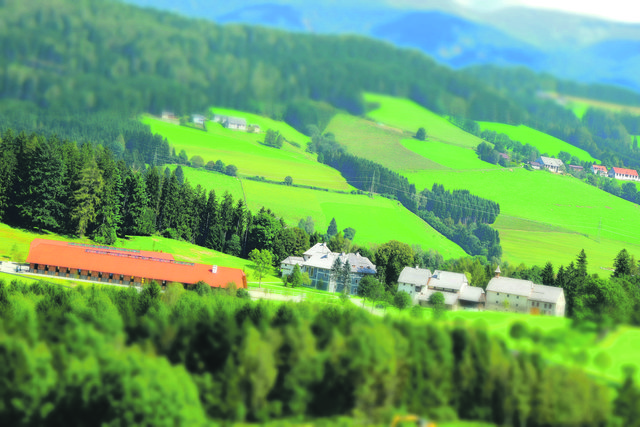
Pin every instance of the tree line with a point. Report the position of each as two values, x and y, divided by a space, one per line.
108 354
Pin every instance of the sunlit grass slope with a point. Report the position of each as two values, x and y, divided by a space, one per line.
15 241
243 150
547 217
543 142
376 220
376 142
406 115
447 155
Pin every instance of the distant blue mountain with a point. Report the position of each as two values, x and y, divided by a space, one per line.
269 14
456 41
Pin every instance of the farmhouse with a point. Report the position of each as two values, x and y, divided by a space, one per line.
535 165
319 260
235 123
623 174
523 296
550 164
168 115
124 266
198 119
421 284
599 170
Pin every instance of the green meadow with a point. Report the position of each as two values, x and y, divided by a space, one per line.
243 150
543 142
408 116
376 220
548 217
447 155
376 142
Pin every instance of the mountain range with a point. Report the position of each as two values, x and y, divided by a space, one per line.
570 46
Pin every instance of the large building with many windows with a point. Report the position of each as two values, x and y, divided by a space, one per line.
124 266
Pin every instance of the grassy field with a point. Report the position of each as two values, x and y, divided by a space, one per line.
547 217
376 142
376 220
408 116
243 150
580 105
543 142
447 155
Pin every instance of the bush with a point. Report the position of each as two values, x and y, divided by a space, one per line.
519 330
243 294
402 300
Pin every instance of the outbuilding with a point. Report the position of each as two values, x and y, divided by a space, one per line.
124 266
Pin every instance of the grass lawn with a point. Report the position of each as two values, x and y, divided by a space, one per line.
407 115
243 150
376 220
543 142
533 203
377 143
446 155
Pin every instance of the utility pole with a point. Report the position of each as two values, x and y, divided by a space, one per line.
372 181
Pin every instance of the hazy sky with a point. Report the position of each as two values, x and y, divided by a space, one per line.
618 10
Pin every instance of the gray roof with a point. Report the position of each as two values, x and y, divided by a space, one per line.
450 298
544 293
550 161
510 286
414 276
447 280
318 249
360 264
472 293
239 121
324 261
293 260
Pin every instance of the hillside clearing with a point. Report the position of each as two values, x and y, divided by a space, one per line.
409 116
252 158
543 142
376 220
547 217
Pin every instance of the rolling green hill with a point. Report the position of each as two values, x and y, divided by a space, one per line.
252 158
408 116
543 142
544 217
376 220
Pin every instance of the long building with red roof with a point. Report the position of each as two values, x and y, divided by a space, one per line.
124 266
623 174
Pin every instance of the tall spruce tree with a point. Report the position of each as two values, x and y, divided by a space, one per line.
87 196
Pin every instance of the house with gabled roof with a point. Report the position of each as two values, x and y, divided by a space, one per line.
524 296
550 164
421 284
600 170
318 262
623 174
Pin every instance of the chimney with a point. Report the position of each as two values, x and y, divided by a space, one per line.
497 271
214 269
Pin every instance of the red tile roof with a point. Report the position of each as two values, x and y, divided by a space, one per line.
600 168
137 263
623 171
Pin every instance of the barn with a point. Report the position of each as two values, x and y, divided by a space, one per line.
124 266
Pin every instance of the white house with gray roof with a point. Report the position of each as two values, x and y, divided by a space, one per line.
421 284
524 296
550 164
318 261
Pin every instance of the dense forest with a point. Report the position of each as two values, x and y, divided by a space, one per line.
180 357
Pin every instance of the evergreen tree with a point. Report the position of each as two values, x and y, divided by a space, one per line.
421 134
332 230
42 194
622 264
87 197
547 275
